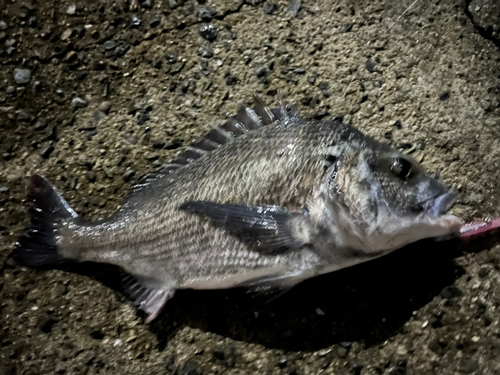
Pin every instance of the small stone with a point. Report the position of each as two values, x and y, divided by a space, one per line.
97 201
78 103
155 21
105 106
66 34
109 45
147 4
171 57
299 71
71 9
4 189
122 49
348 27
209 32
197 103
157 63
3 25
270 8
129 173
136 22
206 52
60 92
21 115
450 292
206 14
148 155
260 71
158 144
46 150
231 80
22 76
469 366
11 89
90 176
143 117
370 66
294 7
50 131
311 79
185 86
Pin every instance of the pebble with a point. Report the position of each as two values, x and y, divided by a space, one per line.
270 8
121 50
231 80
109 45
445 96
71 9
78 103
155 21
143 117
294 7
22 76
105 106
209 32
370 66
185 86
136 22
46 150
66 34
206 52
129 173
148 155
90 176
260 71
21 115
97 201
3 25
205 14
4 189
469 366
171 57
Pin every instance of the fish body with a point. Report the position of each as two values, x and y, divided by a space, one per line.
265 201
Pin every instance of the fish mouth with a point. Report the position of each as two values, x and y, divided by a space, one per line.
440 204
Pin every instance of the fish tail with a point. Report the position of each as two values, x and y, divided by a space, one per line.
37 247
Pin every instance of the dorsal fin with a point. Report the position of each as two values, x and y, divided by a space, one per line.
245 120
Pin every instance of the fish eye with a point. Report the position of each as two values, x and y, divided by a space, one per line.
402 168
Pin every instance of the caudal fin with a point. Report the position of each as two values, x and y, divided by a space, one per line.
37 247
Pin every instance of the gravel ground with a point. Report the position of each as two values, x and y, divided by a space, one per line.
96 94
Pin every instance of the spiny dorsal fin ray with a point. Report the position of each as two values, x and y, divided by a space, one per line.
245 120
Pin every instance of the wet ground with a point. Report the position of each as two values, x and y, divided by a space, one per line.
97 94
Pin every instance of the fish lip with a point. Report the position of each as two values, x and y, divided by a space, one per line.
440 204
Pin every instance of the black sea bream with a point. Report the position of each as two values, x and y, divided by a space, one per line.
265 201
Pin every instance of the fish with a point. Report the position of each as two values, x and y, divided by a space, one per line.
265 201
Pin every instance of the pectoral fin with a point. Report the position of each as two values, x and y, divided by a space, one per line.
269 228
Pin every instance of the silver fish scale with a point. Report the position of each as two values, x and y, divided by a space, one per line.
150 237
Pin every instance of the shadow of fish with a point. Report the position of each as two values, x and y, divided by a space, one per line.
265 201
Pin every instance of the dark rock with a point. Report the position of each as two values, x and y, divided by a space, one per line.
348 27
231 80
398 125
90 176
21 115
209 32
46 150
445 96
370 66
189 368
22 76
260 71
483 272
32 22
185 86
270 8
206 52
451 292
356 369
109 45
50 132
155 21
311 79
323 85
156 63
171 57
143 117
136 22
206 14
159 143
97 335
121 50
469 366
175 144
129 173
78 103
299 71
294 7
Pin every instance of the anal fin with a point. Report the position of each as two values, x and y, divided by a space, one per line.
148 299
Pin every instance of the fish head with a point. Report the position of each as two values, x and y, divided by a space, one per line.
383 199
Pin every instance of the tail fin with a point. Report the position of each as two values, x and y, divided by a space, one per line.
37 247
